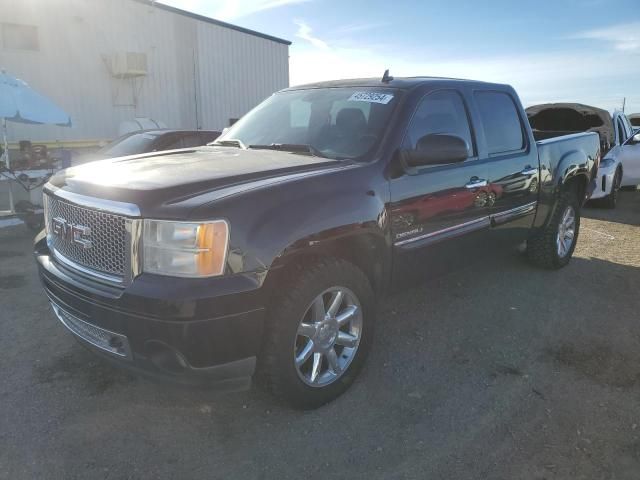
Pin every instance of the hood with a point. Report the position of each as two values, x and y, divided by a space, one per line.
176 175
572 117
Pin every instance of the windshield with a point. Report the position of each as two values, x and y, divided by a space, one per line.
332 122
129 145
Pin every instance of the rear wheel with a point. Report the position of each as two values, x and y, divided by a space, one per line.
553 247
319 332
611 200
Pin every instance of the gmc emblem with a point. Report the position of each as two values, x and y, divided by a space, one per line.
71 233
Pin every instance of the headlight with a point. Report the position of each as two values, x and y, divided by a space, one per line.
607 162
185 249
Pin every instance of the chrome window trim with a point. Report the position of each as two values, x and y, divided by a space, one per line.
93 203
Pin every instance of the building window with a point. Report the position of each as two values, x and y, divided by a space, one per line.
20 37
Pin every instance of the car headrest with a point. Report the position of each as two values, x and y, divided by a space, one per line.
351 118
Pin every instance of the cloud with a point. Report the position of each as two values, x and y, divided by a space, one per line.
304 32
230 9
357 28
538 77
624 37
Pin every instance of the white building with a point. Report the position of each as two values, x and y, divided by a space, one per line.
108 61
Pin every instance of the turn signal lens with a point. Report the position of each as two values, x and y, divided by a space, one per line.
212 241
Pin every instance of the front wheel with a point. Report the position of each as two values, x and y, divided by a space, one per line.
553 247
319 332
611 200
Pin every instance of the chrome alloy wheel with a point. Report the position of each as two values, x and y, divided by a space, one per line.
328 337
566 231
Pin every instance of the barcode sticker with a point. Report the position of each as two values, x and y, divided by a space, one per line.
371 97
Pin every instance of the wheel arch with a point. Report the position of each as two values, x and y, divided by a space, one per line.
366 250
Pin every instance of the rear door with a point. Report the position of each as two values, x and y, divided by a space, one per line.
438 212
514 176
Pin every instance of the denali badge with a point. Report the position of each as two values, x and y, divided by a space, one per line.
71 233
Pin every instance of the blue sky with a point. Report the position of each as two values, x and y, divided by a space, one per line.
563 50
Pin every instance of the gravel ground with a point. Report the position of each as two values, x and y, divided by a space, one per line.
501 371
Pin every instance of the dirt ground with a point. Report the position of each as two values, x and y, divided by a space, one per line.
500 371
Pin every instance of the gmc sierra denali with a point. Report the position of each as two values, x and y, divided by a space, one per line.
263 254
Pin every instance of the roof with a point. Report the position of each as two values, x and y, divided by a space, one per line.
403 83
212 21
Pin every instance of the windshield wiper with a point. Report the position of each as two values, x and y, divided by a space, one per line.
291 147
229 142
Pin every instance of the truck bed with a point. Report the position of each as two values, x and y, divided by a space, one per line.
566 152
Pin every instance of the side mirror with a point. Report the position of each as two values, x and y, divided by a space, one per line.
437 149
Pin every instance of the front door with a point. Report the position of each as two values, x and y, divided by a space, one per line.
439 213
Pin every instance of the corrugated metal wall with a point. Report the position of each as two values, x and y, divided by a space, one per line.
199 74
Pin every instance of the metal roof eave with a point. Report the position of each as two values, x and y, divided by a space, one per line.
212 21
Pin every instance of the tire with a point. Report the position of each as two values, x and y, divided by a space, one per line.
611 200
35 223
294 311
544 249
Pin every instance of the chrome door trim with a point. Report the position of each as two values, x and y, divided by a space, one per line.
101 204
473 225
466 227
513 213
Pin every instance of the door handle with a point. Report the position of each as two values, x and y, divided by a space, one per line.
476 182
528 170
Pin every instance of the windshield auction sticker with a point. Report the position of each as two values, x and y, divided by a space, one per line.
371 97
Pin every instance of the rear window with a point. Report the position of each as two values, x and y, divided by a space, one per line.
501 122
130 144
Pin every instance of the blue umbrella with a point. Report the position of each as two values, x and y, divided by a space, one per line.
21 104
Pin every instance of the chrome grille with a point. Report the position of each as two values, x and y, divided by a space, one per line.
108 251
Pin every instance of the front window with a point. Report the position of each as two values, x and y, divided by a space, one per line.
332 122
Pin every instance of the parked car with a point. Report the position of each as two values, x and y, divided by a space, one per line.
155 141
634 119
621 158
264 255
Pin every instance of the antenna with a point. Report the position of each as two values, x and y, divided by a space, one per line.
386 78
624 103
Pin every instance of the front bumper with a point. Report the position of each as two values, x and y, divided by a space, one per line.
188 331
604 182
